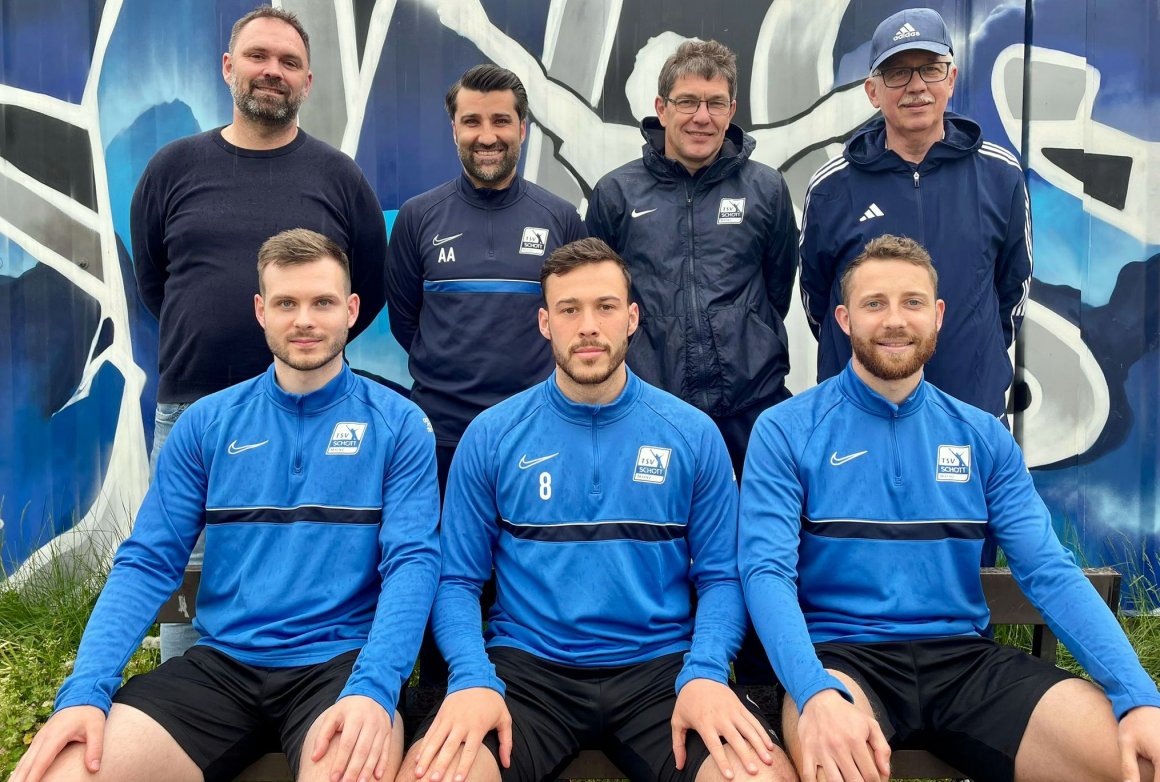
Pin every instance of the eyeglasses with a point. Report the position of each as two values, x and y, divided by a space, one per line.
718 107
930 73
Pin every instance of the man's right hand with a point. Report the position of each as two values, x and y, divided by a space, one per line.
846 743
463 720
84 724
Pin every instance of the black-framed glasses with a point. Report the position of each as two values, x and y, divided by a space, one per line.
930 73
718 107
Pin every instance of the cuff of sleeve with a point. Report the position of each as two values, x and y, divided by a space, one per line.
827 682
466 681
98 700
1124 704
690 672
389 701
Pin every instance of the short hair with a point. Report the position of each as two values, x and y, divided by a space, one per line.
298 246
707 59
488 78
269 12
889 247
581 252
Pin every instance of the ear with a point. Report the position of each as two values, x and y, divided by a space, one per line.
543 319
260 309
659 105
352 304
871 87
309 82
732 108
523 130
951 81
842 315
227 67
633 318
940 307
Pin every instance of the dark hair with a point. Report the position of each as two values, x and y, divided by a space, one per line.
488 78
269 12
707 59
298 246
581 252
889 247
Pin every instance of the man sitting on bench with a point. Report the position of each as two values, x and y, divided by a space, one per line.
602 502
317 491
866 500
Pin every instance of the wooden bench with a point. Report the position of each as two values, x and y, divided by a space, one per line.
1007 603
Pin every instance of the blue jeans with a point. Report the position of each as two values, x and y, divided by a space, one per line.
175 638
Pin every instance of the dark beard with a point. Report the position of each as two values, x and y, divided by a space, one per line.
266 110
593 377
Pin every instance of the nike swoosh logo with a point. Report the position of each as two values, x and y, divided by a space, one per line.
838 461
636 214
437 241
236 449
525 462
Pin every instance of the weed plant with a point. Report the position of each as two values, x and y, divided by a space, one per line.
41 622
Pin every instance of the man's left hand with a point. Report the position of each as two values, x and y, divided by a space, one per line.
364 745
715 712
1139 738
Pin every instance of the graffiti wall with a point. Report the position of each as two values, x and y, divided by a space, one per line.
90 89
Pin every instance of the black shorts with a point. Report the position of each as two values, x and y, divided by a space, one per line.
966 700
558 710
225 714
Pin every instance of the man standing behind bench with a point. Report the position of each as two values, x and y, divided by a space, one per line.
317 492
602 502
863 510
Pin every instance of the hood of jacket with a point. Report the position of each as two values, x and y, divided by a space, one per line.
866 149
735 150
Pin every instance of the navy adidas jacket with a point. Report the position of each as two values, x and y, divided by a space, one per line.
967 204
463 290
863 521
713 261
598 520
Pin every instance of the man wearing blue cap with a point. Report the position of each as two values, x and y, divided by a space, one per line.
926 173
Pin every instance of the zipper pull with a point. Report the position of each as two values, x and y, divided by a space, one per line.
916 179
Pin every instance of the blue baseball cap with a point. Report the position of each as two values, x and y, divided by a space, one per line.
914 28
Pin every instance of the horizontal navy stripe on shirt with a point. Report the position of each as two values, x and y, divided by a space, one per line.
588 532
483 286
921 529
316 513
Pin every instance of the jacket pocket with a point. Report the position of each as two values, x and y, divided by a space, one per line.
754 358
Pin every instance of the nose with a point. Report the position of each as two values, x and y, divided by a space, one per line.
916 84
487 135
588 323
303 319
894 318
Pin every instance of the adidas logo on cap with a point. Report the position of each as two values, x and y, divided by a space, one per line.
906 31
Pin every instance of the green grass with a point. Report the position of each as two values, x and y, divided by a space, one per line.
41 622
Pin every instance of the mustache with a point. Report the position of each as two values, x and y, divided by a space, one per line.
589 343
269 84
921 100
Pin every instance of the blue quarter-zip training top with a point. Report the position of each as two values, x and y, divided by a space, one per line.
597 519
320 513
863 521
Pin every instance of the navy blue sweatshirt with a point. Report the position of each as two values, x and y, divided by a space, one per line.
463 271
202 209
